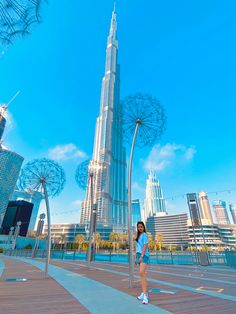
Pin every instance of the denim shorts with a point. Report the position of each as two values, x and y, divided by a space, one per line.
145 259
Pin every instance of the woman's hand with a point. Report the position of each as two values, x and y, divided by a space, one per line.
140 260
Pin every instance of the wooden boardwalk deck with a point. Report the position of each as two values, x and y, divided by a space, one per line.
191 288
38 295
182 302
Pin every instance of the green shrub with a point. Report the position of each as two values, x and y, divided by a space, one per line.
1 250
28 247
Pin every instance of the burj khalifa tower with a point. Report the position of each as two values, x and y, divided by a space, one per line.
109 156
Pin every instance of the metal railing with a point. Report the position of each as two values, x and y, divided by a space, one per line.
174 258
230 257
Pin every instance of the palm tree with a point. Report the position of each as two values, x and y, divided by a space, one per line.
123 237
159 240
97 240
31 234
80 240
113 238
102 244
150 238
62 239
152 245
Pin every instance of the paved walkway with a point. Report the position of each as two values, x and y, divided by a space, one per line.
103 288
179 295
96 297
37 295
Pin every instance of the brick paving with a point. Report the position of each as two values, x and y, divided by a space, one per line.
41 295
37 295
182 302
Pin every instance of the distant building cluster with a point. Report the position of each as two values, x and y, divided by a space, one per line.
177 229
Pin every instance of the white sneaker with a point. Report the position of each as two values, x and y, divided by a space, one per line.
145 299
140 297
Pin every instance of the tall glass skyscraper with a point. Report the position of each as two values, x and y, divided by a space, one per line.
136 212
205 209
221 212
154 201
2 122
232 209
109 157
10 164
33 197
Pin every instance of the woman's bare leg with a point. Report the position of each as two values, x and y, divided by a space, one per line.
142 272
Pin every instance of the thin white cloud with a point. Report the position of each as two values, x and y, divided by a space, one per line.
162 157
137 188
190 152
77 203
66 152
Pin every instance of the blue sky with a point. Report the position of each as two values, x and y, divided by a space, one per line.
182 52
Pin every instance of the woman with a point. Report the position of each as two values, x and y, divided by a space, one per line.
142 258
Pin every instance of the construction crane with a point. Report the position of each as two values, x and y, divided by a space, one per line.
3 110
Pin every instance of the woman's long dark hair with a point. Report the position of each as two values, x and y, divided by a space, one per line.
138 232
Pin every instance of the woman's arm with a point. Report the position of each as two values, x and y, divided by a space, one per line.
144 249
143 252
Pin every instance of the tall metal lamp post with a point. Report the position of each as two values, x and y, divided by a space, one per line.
10 235
143 121
85 177
16 234
47 176
39 232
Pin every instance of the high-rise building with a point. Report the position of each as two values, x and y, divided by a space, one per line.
70 231
232 209
173 228
205 209
228 235
17 211
214 235
2 121
154 201
109 157
203 235
33 197
221 213
10 164
136 212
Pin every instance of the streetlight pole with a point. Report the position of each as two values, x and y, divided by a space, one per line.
38 233
143 122
10 236
130 228
89 257
16 233
49 227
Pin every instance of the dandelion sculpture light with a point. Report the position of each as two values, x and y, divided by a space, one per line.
48 177
143 120
17 17
85 176
81 174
